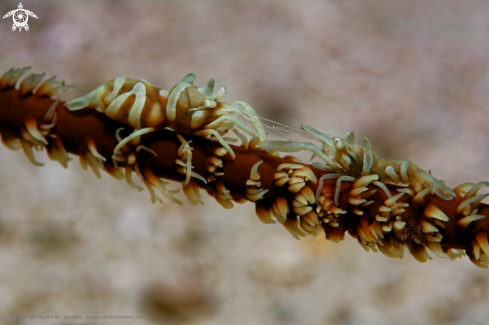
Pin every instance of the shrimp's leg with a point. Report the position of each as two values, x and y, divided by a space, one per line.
234 120
248 113
326 140
132 136
294 146
218 138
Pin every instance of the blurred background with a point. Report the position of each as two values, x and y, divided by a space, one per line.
411 76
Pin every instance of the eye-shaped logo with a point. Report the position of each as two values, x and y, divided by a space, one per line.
20 17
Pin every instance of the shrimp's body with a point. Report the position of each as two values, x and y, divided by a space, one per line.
185 108
345 156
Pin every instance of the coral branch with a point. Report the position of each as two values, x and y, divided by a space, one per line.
386 206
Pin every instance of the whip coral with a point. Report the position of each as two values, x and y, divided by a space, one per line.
387 206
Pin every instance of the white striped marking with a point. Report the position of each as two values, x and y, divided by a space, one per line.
118 83
135 112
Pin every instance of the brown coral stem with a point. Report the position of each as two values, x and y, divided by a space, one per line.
377 215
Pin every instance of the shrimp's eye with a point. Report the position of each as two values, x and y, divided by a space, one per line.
195 97
210 103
